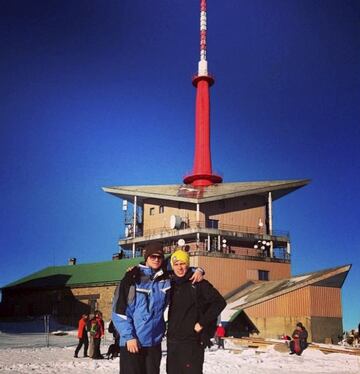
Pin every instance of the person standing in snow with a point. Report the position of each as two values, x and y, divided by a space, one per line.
220 334
193 313
138 308
82 335
97 332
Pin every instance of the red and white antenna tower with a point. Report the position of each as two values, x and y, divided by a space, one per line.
202 174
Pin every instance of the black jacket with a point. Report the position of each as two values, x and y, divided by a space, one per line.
190 304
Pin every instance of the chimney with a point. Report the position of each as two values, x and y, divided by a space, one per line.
72 261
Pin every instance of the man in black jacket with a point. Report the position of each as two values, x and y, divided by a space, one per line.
193 313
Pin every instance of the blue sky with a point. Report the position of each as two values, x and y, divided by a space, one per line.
98 93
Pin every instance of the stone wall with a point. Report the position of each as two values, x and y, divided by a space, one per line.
103 300
65 304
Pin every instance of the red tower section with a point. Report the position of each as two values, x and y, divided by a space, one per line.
202 174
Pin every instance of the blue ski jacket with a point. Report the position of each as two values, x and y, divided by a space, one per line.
139 305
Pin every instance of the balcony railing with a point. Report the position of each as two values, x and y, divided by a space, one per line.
279 255
283 257
200 225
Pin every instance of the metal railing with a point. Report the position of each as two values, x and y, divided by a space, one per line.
285 258
209 225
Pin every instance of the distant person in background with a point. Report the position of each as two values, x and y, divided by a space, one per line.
351 337
82 335
299 342
112 330
114 349
356 339
97 332
220 333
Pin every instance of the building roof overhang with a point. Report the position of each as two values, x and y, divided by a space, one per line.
221 191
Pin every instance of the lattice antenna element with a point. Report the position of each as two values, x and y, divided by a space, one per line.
202 174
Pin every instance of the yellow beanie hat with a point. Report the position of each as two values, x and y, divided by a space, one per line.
180 255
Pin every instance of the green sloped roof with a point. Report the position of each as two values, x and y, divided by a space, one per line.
72 275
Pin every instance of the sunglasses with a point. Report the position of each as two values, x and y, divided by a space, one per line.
156 257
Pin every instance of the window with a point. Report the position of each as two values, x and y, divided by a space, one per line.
212 223
263 275
161 209
152 211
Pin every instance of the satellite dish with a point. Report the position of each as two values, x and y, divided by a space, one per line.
181 242
175 222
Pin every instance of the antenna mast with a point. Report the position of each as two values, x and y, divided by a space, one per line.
202 174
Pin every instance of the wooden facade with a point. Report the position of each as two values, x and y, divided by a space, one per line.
311 300
318 308
236 212
227 274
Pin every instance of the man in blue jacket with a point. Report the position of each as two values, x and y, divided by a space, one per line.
138 309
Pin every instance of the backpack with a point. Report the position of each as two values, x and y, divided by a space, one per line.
94 327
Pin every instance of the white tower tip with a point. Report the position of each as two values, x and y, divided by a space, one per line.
203 66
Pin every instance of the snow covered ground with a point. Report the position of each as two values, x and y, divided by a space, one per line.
60 360
23 350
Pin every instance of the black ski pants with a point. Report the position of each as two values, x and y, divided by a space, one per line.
184 357
147 361
82 341
97 353
220 342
